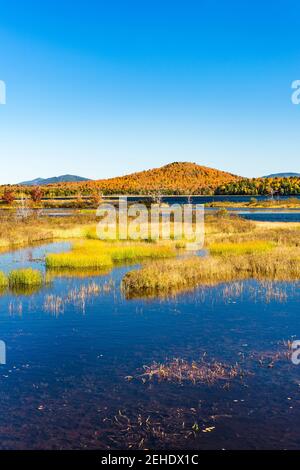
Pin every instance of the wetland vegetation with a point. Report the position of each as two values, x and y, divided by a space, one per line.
183 368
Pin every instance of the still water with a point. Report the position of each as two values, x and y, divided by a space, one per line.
74 372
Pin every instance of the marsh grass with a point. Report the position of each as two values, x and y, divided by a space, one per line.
19 278
178 275
225 223
96 254
242 248
3 280
17 232
75 260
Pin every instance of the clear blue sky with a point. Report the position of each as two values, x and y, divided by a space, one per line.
103 88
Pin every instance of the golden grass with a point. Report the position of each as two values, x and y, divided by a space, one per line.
3 280
16 232
78 261
95 254
242 248
183 274
25 277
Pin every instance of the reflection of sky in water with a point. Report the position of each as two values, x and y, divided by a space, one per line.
64 379
32 257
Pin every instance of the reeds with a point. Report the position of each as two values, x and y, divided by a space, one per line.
78 296
178 275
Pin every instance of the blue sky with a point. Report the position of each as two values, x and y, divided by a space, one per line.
100 88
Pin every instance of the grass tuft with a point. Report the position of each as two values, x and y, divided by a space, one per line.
3 280
76 260
25 277
96 254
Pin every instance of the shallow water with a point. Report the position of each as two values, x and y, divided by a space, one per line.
259 214
262 215
208 199
64 382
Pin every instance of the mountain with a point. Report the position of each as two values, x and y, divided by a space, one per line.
283 175
174 178
54 180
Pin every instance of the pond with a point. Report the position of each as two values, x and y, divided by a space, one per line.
76 351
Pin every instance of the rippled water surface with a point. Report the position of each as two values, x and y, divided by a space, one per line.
75 356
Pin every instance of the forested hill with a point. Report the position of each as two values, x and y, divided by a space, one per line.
280 186
174 178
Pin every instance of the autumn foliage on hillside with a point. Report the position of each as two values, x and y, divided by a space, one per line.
175 178
256 186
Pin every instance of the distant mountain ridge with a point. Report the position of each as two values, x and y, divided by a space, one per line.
283 175
54 180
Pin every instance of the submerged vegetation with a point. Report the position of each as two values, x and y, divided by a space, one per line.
78 296
180 370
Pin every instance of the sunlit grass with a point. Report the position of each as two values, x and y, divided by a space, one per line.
3 280
242 248
96 254
25 277
136 252
75 260
172 276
